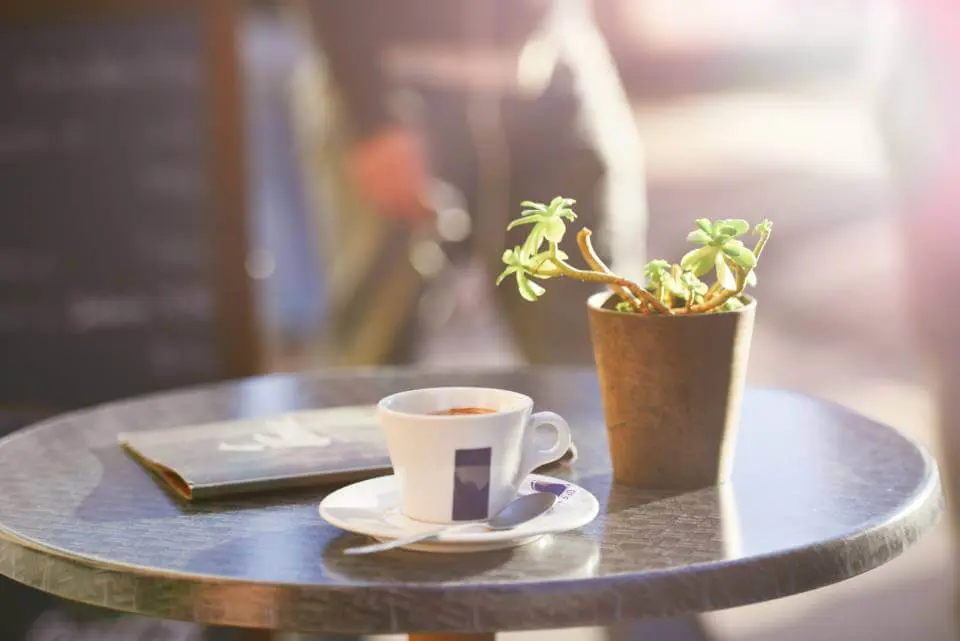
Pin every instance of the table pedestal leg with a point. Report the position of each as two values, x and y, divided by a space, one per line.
452 637
256 635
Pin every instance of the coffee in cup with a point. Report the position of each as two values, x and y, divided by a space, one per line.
456 411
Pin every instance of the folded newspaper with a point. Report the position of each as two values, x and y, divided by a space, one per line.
298 449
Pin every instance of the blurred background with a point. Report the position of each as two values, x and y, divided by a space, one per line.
192 192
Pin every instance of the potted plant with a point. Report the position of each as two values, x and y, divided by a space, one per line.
671 351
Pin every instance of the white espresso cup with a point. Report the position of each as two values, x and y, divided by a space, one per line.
454 468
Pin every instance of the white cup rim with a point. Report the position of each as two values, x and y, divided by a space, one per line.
524 403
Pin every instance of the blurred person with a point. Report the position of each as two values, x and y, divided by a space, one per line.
421 106
503 101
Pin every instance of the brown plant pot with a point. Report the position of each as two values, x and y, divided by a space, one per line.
671 388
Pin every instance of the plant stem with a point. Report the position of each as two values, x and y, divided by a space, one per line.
758 248
713 303
606 278
592 259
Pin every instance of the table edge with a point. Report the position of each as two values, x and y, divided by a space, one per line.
212 600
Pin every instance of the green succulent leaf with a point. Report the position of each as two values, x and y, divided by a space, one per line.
530 219
512 257
763 228
732 304
554 229
529 204
656 269
699 261
659 273
732 247
705 226
678 288
529 290
513 260
738 225
694 284
725 275
623 306
745 258
505 273
534 241
699 236
732 252
543 266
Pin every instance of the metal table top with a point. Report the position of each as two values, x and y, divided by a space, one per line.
819 494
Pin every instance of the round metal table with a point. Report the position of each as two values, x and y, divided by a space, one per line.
819 494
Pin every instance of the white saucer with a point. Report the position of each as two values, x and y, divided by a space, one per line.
372 508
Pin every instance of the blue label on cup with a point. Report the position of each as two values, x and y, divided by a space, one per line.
471 484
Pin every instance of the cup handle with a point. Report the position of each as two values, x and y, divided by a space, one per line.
533 456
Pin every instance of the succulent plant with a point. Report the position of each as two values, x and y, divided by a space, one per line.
667 289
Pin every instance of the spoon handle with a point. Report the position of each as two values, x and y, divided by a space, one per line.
407 540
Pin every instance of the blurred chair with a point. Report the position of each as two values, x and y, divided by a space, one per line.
123 258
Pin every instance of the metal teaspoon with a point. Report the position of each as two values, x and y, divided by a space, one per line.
517 512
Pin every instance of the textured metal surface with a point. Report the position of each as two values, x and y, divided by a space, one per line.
819 494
